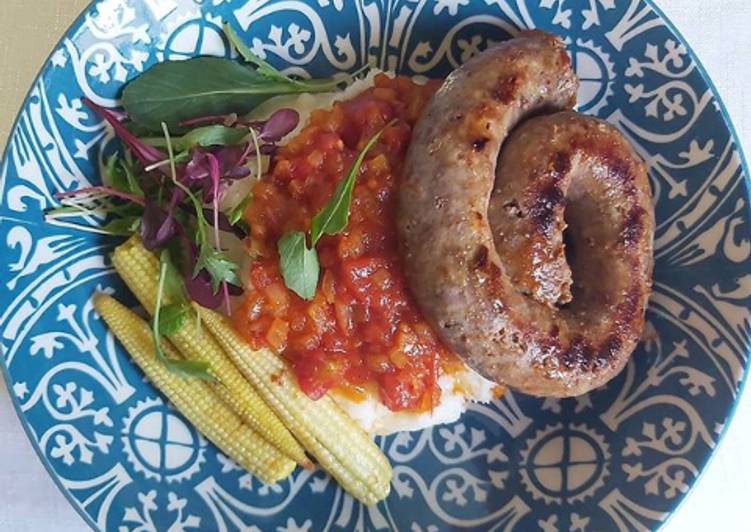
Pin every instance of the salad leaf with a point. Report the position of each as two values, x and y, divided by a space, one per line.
126 210
279 125
333 217
130 177
113 174
123 226
220 268
172 318
299 264
205 136
187 368
266 69
194 369
121 176
235 216
216 135
262 66
173 287
175 91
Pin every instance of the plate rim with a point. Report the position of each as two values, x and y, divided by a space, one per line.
77 21
727 119
743 385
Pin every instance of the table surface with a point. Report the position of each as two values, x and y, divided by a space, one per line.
716 30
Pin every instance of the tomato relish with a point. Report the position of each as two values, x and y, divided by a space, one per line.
362 331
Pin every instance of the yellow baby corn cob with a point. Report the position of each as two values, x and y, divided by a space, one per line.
328 433
139 268
194 398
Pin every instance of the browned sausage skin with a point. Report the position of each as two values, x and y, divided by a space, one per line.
485 256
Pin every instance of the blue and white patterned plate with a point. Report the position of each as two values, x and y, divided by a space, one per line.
619 458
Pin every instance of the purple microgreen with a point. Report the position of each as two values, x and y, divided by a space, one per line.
234 290
214 261
120 116
200 290
238 172
144 153
232 160
200 221
268 149
231 163
279 125
169 227
178 196
157 226
107 191
196 280
196 170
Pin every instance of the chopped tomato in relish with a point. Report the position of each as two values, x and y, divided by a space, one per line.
362 331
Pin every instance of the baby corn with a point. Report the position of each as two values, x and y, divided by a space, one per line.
139 268
328 433
194 398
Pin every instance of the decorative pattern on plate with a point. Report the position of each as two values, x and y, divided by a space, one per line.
621 457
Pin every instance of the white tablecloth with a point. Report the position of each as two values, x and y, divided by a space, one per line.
719 32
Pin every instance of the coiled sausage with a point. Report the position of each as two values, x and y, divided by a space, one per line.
535 267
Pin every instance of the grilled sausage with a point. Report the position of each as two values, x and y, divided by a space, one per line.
535 267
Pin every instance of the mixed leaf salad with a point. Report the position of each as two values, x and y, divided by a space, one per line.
187 137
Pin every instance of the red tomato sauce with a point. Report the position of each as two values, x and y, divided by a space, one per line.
362 332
